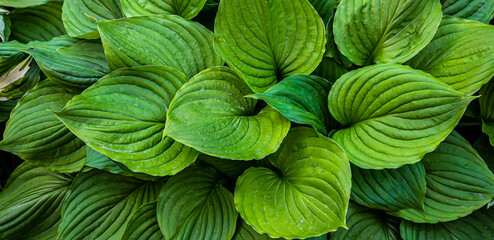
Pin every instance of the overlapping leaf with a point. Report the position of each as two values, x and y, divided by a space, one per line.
25 3
478 10
305 195
266 41
392 114
123 116
246 232
19 79
487 110
385 31
211 115
330 69
187 9
143 224
325 8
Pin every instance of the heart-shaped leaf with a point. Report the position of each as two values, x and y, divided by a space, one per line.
385 31
143 224
478 10
123 116
392 114
305 195
211 115
486 101
275 41
194 204
187 9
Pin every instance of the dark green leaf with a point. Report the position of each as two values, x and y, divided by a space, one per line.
143 224
486 101
478 10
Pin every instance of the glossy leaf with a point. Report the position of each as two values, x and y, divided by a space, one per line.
385 31
36 135
80 17
187 9
369 224
31 203
478 10
99 205
301 99
143 224
211 115
194 204
325 8
486 101
123 116
458 183
392 114
25 3
390 189
305 195
266 41
461 54
158 40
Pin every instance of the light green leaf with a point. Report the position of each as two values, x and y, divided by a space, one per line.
41 23
99 205
301 99
187 9
478 10
19 79
390 189
246 232
478 225
230 168
158 40
143 224
123 117
24 3
211 115
385 31
486 102
31 202
325 8
461 54
330 69
369 224
266 41
305 195
36 135
392 114
194 204
78 16
458 183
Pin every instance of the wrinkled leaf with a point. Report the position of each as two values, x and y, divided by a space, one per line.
478 10
187 9
143 224
19 79
25 3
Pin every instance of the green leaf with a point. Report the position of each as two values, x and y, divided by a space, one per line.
305 195
385 31
230 168
461 54
390 189
210 114
5 25
325 8
478 225
80 17
486 102
275 40
25 3
485 150
41 23
246 232
35 134
194 204
369 224
478 10
31 202
158 40
143 224
123 117
392 114
19 79
330 69
6 107
458 183
187 9
301 99
99 205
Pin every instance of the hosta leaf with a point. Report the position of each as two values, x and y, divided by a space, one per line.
485 150
392 114
123 116
390 189
158 40
19 79
266 41
458 182
24 3
230 168
478 10
187 9
40 23
194 204
307 193
99 205
5 25
31 203
461 54
6 107
478 225
330 69
385 31
246 232
486 101
143 225
36 135
325 8
369 224
211 115
80 17
301 99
